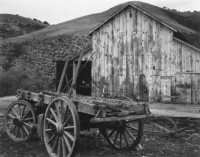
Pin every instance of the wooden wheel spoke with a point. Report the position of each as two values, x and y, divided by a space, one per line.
19 110
22 133
67 110
9 123
11 116
67 143
62 111
52 137
16 114
126 139
54 114
26 113
55 144
68 119
69 136
116 136
59 147
111 133
27 119
18 129
51 121
23 110
120 142
29 125
26 130
69 127
63 146
13 128
47 130
129 134
133 128
58 111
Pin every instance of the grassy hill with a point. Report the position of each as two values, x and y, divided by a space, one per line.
191 19
15 25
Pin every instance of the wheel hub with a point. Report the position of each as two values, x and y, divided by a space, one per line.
18 121
59 128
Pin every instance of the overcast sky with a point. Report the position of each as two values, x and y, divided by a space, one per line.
57 11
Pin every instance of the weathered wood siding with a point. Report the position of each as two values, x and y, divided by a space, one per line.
134 53
186 62
128 54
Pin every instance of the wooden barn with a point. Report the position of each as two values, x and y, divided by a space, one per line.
140 50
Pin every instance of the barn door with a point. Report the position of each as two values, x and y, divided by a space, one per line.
166 83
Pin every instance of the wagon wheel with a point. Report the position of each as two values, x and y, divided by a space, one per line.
61 128
19 121
123 135
165 125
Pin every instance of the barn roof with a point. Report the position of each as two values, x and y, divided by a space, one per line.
152 11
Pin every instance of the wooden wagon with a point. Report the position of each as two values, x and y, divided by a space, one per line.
59 118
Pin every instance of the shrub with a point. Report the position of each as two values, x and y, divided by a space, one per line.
12 80
45 22
7 84
15 51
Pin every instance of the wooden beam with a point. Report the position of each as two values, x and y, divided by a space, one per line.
194 73
75 73
85 107
74 81
112 119
63 73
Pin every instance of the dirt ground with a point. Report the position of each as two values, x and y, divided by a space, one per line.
152 144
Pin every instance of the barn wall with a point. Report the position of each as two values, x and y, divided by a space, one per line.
185 69
128 52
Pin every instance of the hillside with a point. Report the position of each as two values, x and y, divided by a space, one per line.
39 50
190 20
15 25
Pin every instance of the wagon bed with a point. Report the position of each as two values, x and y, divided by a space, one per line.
102 109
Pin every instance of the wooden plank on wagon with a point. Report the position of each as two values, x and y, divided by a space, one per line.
112 119
85 107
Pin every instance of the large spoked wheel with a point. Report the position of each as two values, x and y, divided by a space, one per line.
61 127
19 121
123 135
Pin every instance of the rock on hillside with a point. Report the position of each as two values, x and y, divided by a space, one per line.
40 55
15 25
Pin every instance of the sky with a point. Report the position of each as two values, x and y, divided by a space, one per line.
58 11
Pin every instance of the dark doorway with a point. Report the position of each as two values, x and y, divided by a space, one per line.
83 79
